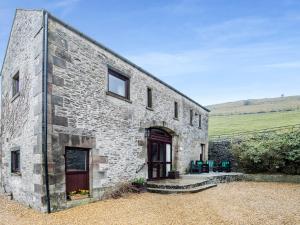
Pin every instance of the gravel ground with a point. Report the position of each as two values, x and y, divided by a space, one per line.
232 203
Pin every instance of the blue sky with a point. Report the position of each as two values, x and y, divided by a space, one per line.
212 50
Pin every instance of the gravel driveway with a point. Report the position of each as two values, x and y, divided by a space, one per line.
232 203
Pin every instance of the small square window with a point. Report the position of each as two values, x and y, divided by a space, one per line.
118 84
175 110
191 117
149 97
15 84
15 161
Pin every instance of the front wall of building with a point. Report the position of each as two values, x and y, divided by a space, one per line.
81 114
21 117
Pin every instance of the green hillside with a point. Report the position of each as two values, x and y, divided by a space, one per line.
252 115
256 106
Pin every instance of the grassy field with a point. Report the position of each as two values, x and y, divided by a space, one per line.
220 125
257 106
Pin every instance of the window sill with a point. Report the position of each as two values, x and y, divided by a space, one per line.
151 109
16 174
15 97
118 96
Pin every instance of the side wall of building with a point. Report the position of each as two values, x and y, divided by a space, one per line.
21 116
82 114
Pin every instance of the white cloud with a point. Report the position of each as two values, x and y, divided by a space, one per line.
236 31
64 3
168 64
284 65
65 6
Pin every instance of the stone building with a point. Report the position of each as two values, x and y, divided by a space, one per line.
76 115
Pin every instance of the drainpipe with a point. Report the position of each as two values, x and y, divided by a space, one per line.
45 107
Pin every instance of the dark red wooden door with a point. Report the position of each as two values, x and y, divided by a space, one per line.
159 154
77 169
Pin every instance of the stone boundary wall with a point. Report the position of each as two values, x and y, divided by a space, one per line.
272 178
219 150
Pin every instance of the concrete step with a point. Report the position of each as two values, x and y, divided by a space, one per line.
185 190
178 184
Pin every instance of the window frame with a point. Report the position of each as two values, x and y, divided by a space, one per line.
200 121
191 117
15 161
175 110
126 79
149 98
16 85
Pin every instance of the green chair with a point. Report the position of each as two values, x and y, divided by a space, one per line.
212 164
204 167
194 168
226 166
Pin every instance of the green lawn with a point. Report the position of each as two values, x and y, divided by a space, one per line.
220 125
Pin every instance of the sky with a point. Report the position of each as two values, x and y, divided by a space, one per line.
212 50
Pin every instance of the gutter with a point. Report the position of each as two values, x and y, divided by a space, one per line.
45 107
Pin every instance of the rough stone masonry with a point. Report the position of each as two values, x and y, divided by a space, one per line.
82 113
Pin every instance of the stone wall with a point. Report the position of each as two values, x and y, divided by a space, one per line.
220 150
21 116
80 108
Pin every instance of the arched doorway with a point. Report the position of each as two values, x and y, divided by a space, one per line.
159 153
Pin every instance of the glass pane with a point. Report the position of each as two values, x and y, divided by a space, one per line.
117 85
154 152
168 168
168 153
154 172
161 152
161 171
76 160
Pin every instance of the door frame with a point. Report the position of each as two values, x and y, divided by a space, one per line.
159 136
87 150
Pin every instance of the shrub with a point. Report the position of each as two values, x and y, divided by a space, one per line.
119 191
139 181
272 152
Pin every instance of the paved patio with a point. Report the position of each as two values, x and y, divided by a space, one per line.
191 183
211 175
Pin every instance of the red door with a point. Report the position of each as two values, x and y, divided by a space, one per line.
77 169
159 154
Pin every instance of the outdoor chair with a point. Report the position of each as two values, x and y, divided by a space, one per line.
194 168
204 167
212 165
226 166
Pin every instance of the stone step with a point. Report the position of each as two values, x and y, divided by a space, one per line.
177 191
178 185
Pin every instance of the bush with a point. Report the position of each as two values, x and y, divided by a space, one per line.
272 152
119 191
139 181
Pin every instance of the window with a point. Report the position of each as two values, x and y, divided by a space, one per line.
175 110
191 117
200 121
15 161
202 152
76 160
15 85
149 97
118 84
